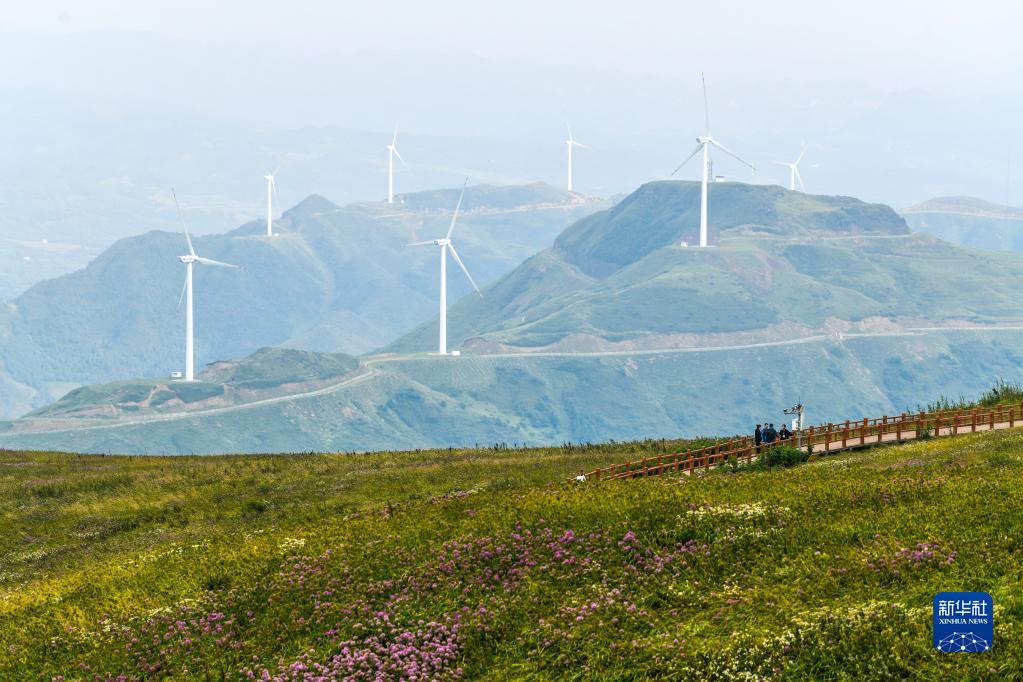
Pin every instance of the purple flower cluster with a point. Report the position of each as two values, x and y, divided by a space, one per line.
921 555
401 617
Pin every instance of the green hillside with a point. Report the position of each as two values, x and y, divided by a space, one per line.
487 565
437 402
970 222
335 280
783 261
266 373
822 299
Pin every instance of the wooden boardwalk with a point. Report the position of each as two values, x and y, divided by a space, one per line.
824 439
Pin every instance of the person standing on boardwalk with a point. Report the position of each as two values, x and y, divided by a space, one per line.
758 437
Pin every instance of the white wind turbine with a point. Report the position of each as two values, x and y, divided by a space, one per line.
392 151
271 191
794 171
445 246
186 292
571 143
704 143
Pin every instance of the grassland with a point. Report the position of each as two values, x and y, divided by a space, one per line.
487 565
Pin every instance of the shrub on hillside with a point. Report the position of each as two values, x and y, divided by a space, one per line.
782 455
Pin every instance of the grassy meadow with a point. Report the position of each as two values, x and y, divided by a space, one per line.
489 565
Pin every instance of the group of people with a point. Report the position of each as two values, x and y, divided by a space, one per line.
765 434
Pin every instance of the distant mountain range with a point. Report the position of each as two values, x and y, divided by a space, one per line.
337 279
969 221
618 331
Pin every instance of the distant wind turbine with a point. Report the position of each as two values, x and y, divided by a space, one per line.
271 191
186 292
794 171
571 143
392 151
704 143
445 246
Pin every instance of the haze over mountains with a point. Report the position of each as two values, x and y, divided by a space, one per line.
969 221
619 332
336 279
104 123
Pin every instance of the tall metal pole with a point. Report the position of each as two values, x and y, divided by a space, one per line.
443 345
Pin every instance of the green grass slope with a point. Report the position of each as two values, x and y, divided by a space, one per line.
477 565
335 280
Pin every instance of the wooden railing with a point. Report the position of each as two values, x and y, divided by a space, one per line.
824 438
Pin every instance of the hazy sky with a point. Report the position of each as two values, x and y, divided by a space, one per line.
939 45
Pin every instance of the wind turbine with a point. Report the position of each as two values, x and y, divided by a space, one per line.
571 143
392 151
794 171
186 292
445 246
704 143
271 191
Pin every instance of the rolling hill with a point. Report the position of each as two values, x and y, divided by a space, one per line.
970 222
337 279
824 300
785 265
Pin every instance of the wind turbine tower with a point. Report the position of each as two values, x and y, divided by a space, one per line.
445 246
794 171
392 151
703 144
571 143
186 293
271 190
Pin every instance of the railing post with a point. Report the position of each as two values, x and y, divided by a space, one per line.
1012 416
863 432
973 420
991 419
845 435
827 437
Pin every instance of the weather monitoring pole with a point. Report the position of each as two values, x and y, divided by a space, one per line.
798 410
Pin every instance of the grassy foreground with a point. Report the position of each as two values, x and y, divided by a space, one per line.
475 565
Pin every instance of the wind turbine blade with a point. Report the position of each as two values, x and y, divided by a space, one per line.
695 152
184 285
581 145
800 156
451 228
800 179
191 250
210 261
420 243
458 260
706 108
727 151
396 153
570 138
394 140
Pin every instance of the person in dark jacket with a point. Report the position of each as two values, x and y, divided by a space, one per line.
758 437
771 435
784 434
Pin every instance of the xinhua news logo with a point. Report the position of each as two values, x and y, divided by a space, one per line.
963 622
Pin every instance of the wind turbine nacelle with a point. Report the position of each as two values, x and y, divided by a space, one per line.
187 259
